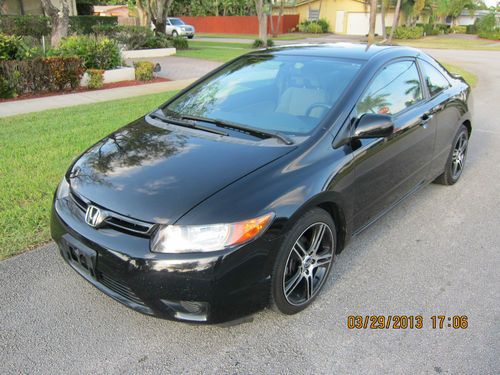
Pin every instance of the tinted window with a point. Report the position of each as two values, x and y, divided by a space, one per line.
290 94
395 88
176 21
435 81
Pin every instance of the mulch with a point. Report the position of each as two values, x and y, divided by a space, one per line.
82 89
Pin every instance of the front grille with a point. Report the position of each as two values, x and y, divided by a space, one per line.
119 287
114 220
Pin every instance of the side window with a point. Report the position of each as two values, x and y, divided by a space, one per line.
434 80
394 88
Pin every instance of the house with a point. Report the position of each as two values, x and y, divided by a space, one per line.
344 16
111 10
34 7
466 18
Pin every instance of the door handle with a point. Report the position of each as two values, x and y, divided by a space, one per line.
425 118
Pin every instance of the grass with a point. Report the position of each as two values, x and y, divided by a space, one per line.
35 151
446 42
469 77
216 51
288 36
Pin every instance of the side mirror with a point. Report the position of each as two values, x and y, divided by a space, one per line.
371 125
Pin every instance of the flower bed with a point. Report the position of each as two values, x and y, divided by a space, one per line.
123 73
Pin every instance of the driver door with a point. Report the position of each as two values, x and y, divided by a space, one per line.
389 168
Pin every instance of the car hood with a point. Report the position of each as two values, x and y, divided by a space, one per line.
157 173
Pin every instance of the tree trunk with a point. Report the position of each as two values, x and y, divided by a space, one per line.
59 20
395 20
142 14
373 18
158 14
280 16
262 17
382 16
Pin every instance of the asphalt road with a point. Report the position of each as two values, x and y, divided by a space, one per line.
437 253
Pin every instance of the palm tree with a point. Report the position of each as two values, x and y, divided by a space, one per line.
373 18
395 20
371 102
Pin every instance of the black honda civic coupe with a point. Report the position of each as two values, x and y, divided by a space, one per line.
238 192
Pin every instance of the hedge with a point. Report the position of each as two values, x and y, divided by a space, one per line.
84 24
403 32
38 26
39 74
35 26
493 35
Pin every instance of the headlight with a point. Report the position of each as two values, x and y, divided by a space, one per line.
62 189
204 238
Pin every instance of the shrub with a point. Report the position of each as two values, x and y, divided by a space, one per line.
96 53
471 29
442 28
84 24
270 43
132 37
180 43
9 47
314 28
64 71
144 70
458 29
39 74
34 26
486 23
96 78
493 35
317 27
429 29
258 43
325 26
403 32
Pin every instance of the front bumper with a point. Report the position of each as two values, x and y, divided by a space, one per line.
205 288
186 32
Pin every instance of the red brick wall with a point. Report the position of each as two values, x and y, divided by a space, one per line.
238 24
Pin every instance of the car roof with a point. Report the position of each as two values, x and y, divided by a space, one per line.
356 51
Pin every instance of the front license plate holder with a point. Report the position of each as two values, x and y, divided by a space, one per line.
80 257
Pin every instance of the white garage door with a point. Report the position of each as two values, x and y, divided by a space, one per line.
359 23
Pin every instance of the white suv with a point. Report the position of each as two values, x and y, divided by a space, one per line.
177 27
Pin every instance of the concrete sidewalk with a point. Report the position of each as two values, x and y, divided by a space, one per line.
67 100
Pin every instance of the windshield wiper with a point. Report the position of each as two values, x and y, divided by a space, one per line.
186 124
247 129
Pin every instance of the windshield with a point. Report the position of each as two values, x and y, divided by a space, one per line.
176 21
289 94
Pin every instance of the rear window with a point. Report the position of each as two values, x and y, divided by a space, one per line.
290 94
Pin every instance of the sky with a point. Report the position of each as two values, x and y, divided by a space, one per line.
490 3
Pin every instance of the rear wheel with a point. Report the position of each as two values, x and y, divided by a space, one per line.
456 160
191 37
304 262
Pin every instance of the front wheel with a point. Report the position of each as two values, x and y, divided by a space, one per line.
191 37
303 262
456 160
175 34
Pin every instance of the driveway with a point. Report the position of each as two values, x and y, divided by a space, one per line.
180 68
436 253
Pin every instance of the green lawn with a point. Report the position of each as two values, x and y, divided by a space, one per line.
35 151
288 36
444 42
216 51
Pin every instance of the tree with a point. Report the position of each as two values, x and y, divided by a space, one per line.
275 30
157 11
395 20
373 19
142 13
382 18
262 17
59 20
453 8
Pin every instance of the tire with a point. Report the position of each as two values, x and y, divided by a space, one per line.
294 272
175 34
456 160
191 37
